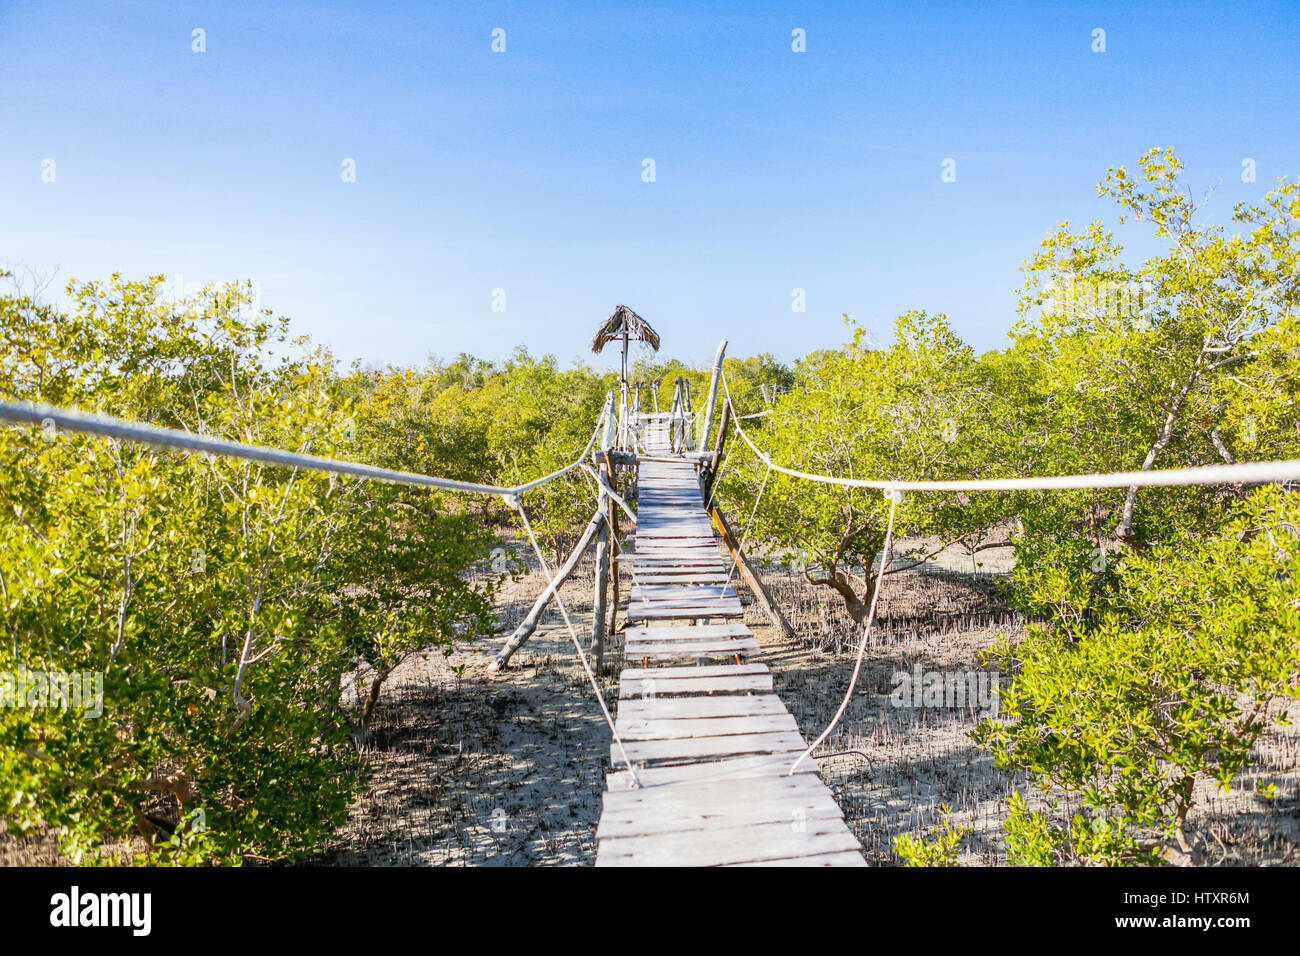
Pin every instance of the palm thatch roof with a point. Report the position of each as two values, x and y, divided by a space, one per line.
621 320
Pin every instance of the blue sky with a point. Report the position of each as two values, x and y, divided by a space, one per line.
522 170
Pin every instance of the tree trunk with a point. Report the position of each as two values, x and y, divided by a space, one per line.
1124 530
856 606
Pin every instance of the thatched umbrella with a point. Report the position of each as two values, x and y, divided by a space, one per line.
624 324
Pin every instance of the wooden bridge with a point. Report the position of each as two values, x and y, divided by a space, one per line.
713 746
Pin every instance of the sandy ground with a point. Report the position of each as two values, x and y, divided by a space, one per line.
488 769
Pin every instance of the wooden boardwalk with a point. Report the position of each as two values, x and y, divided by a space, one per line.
712 744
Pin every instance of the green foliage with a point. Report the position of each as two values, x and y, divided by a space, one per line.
225 604
939 848
916 410
477 421
1176 683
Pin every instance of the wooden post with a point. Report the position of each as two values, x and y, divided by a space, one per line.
612 517
750 575
529 624
713 393
597 646
715 461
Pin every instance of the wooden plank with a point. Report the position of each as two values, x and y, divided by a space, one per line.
652 612
678 576
702 609
704 601
637 728
685 708
762 841
663 674
739 684
687 643
699 806
672 543
701 748
699 560
681 593
645 523
688 649
676 543
667 547
664 632
719 772
715 748
840 858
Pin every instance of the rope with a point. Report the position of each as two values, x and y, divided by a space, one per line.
894 499
110 427
1248 472
1242 472
577 645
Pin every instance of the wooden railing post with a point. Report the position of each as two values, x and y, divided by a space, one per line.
715 461
605 542
611 517
713 394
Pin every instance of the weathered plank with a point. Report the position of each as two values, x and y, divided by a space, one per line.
675 593
678 576
685 650
693 673
840 858
682 612
739 684
702 748
762 841
685 708
697 806
637 728
666 632
722 772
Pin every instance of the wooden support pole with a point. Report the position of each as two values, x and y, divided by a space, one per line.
750 575
601 587
612 517
713 393
529 624
715 461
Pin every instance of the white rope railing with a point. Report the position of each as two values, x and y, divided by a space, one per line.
1242 472
1239 473
110 427
577 645
153 435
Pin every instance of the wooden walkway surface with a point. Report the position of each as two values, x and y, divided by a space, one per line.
712 744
